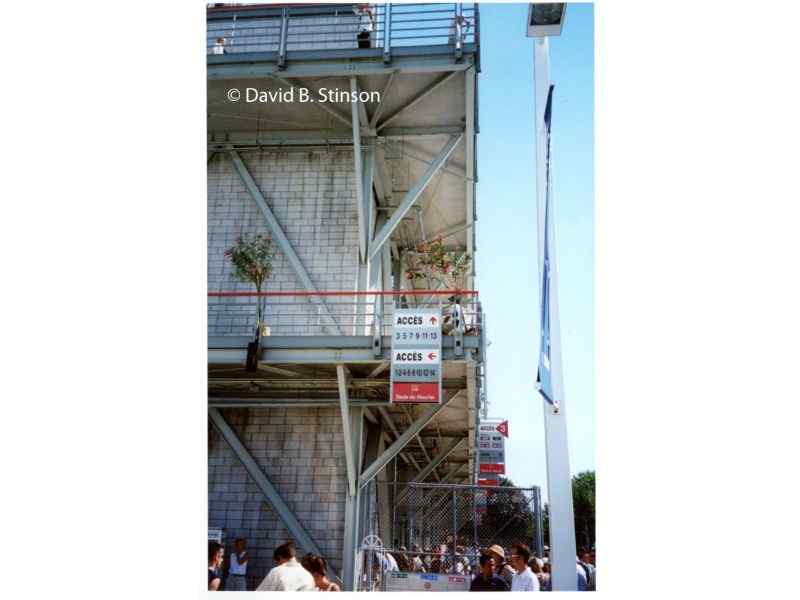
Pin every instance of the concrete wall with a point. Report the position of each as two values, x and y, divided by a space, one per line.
312 194
301 450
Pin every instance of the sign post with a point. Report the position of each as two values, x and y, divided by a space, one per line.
416 376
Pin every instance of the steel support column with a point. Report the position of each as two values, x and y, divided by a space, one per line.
359 173
349 450
351 504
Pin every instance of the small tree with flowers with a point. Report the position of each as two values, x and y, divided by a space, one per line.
252 257
432 263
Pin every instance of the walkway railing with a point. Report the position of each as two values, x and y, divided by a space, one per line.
320 313
232 30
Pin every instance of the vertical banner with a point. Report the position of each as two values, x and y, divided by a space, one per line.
416 376
543 377
492 448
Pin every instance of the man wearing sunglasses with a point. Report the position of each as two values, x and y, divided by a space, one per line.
524 580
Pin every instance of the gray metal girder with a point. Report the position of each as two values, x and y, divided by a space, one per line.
426 417
277 232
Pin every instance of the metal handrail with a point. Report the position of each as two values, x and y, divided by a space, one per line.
298 28
234 312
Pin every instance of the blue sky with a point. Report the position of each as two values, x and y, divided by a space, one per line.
506 259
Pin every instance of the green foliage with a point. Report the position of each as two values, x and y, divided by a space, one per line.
251 257
584 510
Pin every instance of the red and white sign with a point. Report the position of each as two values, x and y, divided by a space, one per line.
415 393
503 428
488 482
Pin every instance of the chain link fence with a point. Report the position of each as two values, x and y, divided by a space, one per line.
443 529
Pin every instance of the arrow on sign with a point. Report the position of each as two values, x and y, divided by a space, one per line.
434 320
503 428
431 355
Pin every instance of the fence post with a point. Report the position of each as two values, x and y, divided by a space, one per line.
455 532
387 32
474 520
538 516
283 39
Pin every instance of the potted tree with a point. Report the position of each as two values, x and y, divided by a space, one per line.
251 258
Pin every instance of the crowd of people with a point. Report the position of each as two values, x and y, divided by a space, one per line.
492 569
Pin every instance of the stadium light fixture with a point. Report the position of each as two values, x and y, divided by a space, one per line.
546 19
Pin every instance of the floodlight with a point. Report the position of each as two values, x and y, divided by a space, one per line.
546 19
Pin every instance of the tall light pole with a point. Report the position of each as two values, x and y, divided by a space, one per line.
544 21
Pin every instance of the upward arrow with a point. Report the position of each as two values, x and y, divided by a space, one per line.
433 320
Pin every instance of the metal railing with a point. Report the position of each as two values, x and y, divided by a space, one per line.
327 27
353 313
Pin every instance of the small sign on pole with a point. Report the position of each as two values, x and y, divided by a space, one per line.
492 447
416 376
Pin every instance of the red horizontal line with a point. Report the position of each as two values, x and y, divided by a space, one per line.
344 293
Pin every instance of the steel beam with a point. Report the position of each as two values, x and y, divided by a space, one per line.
469 161
374 121
317 342
417 437
417 98
412 195
370 213
387 417
426 417
262 65
437 460
277 503
238 402
277 232
380 369
431 466
359 174
348 442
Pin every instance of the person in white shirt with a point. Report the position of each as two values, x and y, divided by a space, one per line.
219 46
524 580
289 575
238 567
